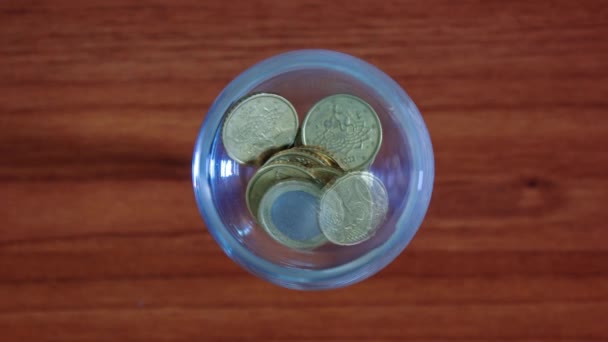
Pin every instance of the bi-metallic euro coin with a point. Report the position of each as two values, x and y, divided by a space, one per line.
269 175
288 212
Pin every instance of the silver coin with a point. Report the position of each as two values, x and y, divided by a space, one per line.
258 124
347 127
288 212
268 176
353 208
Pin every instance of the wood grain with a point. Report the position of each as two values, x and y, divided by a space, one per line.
100 103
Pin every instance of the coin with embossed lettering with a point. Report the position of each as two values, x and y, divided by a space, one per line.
320 154
326 174
352 208
257 125
269 175
347 127
323 167
288 212
292 155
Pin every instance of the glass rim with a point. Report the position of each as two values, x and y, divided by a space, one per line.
410 218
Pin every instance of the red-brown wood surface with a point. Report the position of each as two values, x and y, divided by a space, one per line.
100 103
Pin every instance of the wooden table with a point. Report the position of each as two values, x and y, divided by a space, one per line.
100 103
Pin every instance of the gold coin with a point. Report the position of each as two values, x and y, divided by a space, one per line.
347 127
258 124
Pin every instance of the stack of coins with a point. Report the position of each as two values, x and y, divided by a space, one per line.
318 191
